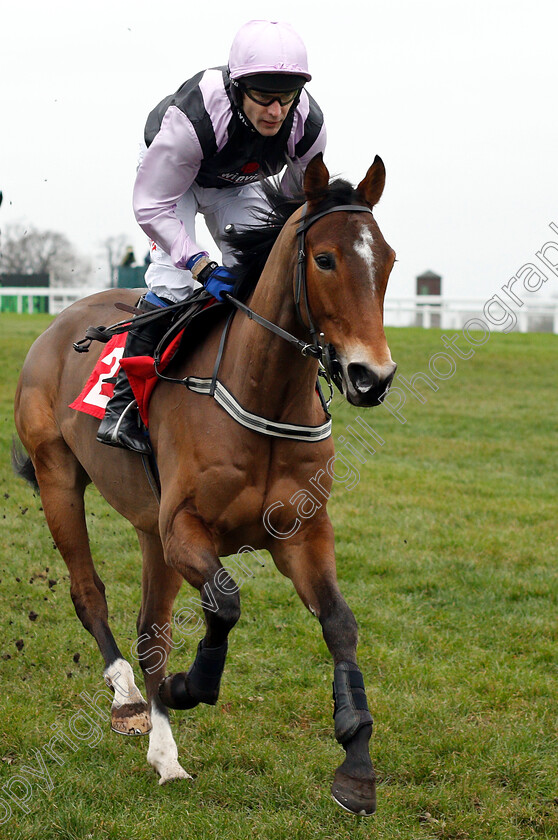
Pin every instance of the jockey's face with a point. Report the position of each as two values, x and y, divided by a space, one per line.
266 119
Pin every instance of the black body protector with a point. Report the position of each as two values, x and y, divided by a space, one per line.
247 156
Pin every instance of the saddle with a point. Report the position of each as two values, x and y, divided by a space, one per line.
191 321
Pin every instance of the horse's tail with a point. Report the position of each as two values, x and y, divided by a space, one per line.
22 464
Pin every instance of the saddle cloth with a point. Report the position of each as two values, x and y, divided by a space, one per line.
140 371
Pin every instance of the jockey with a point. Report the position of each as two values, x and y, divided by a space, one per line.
207 148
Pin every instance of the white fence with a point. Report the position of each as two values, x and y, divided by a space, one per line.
454 313
422 310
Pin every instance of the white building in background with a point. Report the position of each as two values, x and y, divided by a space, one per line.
513 308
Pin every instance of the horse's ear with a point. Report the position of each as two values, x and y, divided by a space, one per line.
316 179
372 185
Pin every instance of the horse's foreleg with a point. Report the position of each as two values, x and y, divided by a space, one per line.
310 563
190 550
160 586
62 483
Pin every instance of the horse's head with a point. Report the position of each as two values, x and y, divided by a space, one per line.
348 263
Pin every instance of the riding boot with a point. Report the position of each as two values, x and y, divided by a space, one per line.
121 424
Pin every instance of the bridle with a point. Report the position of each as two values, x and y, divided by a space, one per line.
330 369
325 353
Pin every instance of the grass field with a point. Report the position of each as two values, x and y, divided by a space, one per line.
446 551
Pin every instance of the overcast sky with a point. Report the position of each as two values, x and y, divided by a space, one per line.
458 98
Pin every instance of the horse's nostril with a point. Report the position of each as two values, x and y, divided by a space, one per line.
362 378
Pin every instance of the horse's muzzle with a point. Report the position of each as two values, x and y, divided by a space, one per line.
366 385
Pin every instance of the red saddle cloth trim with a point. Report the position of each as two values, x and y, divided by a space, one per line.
139 369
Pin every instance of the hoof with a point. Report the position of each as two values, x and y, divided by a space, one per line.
173 774
357 796
130 719
174 693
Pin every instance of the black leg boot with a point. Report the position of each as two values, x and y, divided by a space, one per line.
120 426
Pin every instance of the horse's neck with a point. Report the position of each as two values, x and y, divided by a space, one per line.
265 367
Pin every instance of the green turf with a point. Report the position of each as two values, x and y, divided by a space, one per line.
446 552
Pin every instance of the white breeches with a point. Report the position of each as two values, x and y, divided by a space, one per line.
220 207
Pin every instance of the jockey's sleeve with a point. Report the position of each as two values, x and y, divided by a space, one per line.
167 171
308 138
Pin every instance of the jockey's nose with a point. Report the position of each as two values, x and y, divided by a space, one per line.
274 109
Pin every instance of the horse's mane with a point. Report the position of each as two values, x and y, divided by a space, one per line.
252 245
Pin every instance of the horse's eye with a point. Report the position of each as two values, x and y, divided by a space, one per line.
325 261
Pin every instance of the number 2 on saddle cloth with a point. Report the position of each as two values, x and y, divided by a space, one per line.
140 370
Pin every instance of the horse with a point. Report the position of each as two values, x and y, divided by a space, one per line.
226 482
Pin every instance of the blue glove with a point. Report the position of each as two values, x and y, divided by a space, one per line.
216 278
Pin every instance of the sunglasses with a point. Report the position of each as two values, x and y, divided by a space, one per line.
266 99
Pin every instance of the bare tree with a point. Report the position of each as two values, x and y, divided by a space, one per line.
26 250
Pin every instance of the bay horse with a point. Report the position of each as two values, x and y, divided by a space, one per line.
324 280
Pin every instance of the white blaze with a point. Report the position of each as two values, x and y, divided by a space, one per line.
363 247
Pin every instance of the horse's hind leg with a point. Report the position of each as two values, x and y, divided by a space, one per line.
62 483
160 585
309 561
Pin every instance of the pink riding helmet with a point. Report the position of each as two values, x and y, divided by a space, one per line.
268 46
